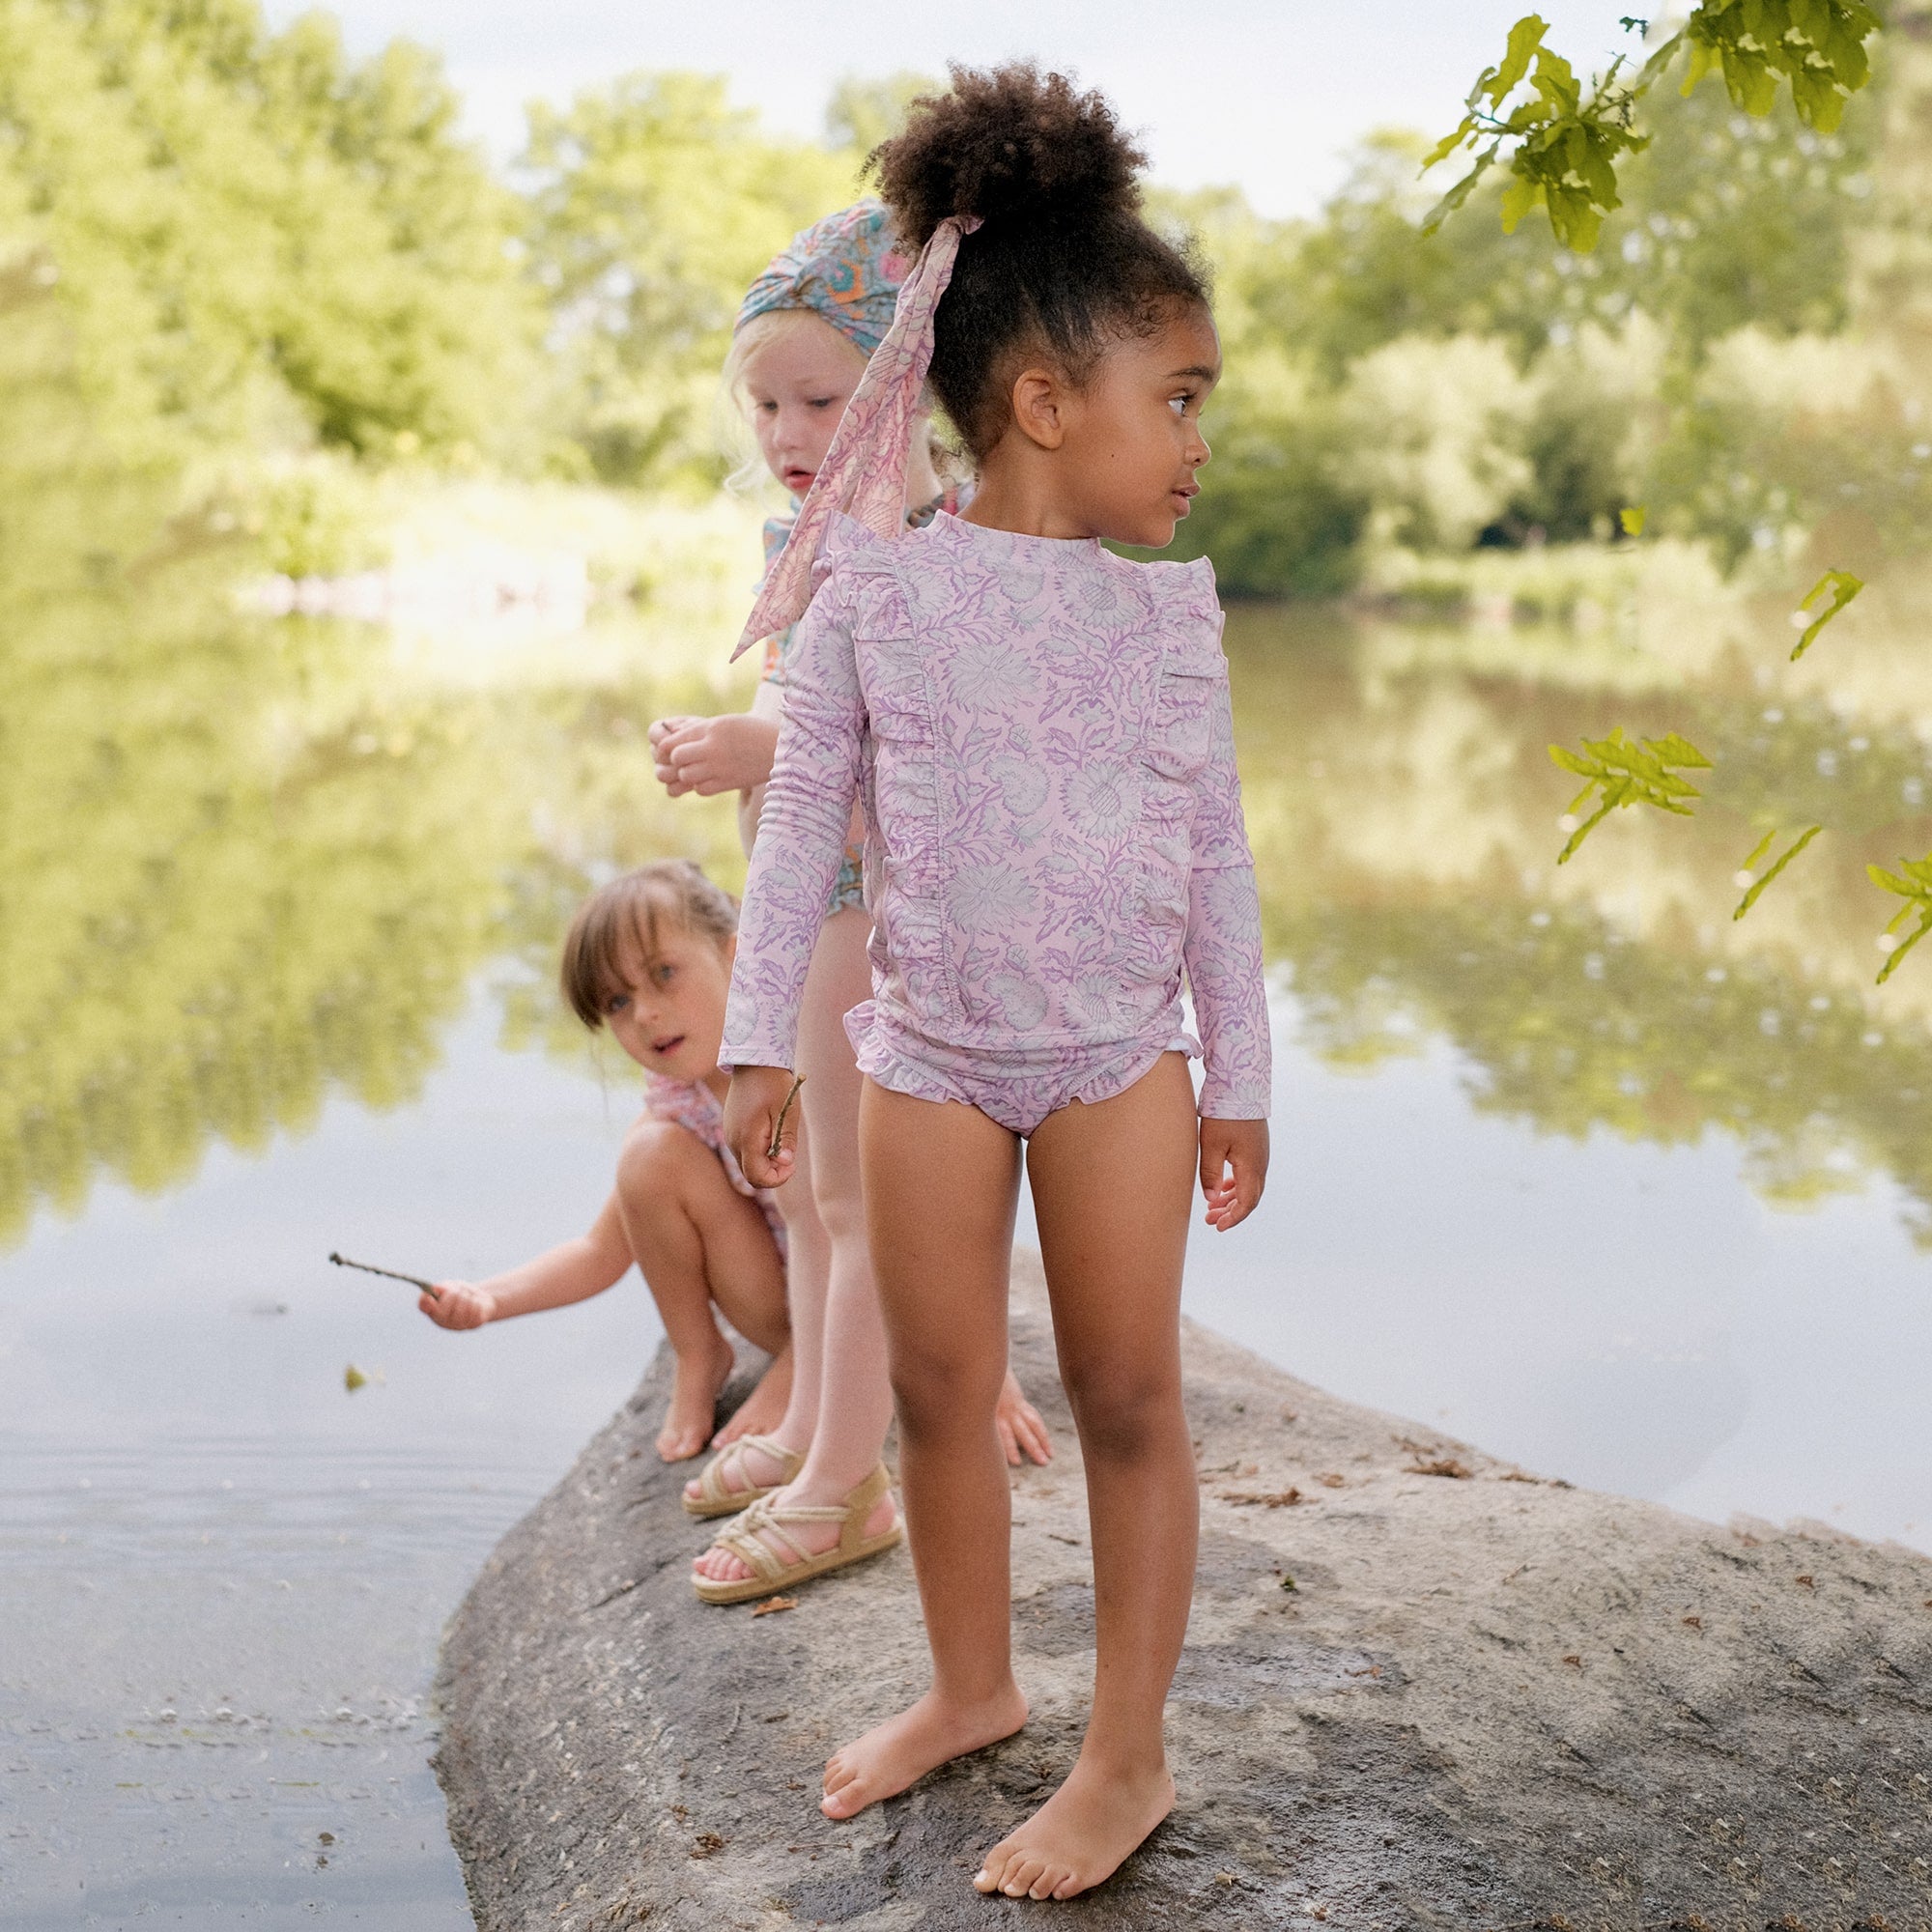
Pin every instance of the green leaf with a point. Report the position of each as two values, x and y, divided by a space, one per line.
1525 39
1632 520
1672 749
1448 144
1459 194
1843 587
1518 198
1751 897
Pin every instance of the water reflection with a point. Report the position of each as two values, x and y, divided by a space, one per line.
1402 810
244 863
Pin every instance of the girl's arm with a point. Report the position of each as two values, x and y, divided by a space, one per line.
801 840
573 1271
1223 956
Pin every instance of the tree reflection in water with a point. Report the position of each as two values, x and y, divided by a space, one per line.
246 863
1403 815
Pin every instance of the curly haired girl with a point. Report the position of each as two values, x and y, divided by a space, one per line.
1040 734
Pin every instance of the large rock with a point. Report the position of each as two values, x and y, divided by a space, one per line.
1422 1689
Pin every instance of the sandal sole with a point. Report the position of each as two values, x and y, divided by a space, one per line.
748 1588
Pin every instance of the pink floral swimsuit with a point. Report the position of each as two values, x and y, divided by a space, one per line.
691 1105
1040 735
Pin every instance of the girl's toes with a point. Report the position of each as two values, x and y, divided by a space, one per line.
1021 1878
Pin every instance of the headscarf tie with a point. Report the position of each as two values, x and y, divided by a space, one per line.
864 472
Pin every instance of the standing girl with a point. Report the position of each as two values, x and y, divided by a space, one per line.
813 1490
1040 737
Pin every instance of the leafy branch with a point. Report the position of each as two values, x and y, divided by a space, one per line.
1566 144
1625 771
1916 889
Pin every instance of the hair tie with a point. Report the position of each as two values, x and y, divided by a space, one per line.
864 472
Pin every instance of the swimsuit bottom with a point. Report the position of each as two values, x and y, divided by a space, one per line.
1017 1086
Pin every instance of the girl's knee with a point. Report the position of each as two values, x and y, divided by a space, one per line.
1123 1413
659 1162
939 1390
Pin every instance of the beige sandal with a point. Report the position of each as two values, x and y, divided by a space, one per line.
716 1497
770 1571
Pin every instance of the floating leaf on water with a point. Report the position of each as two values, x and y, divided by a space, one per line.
353 1379
1744 876
1632 520
1843 586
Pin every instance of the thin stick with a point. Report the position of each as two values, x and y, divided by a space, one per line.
778 1125
429 1288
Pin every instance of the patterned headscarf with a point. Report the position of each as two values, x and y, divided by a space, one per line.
845 269
863 473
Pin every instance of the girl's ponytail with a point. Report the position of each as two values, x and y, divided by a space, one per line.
1064 263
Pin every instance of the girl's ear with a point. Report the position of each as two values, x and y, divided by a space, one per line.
1039 407
730 952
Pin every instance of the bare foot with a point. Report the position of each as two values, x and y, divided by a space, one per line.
694 1401
1080 1835
816 1538
764 1410
902 1750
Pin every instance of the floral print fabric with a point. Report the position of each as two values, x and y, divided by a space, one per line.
1042 739
849 888
846 269
691 1105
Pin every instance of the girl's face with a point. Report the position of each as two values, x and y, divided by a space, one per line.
667 1012
1121 452
797 381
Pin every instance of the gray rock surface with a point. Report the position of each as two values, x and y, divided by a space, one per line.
1422 1689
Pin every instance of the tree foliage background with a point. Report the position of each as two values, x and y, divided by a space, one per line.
259 245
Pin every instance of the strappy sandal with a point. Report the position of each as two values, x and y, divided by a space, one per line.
717 1497
770 1571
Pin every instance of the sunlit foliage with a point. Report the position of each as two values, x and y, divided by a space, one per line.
256 239
655 203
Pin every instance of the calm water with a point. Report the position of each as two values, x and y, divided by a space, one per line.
1569 1163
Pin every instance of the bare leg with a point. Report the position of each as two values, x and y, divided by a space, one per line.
785 1400
698 1241
1112 1185
851 1401
942 1182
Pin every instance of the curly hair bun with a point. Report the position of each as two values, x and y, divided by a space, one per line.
1007 144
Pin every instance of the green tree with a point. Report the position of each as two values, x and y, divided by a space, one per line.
654 203
255 238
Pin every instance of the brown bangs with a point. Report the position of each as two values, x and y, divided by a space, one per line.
634 910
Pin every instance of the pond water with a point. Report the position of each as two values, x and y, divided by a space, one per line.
1569 1163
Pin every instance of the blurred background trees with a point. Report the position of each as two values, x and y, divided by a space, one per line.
258 248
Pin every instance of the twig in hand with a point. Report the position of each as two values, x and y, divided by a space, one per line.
429 1288
778 1125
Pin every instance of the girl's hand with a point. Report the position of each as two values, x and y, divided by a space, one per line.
461 1305
707 755
752 1112
1239 1146
1021 1427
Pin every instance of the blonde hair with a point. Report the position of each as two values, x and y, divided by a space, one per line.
635 907
748 475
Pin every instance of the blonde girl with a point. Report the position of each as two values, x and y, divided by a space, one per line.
813 1490
1040 734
